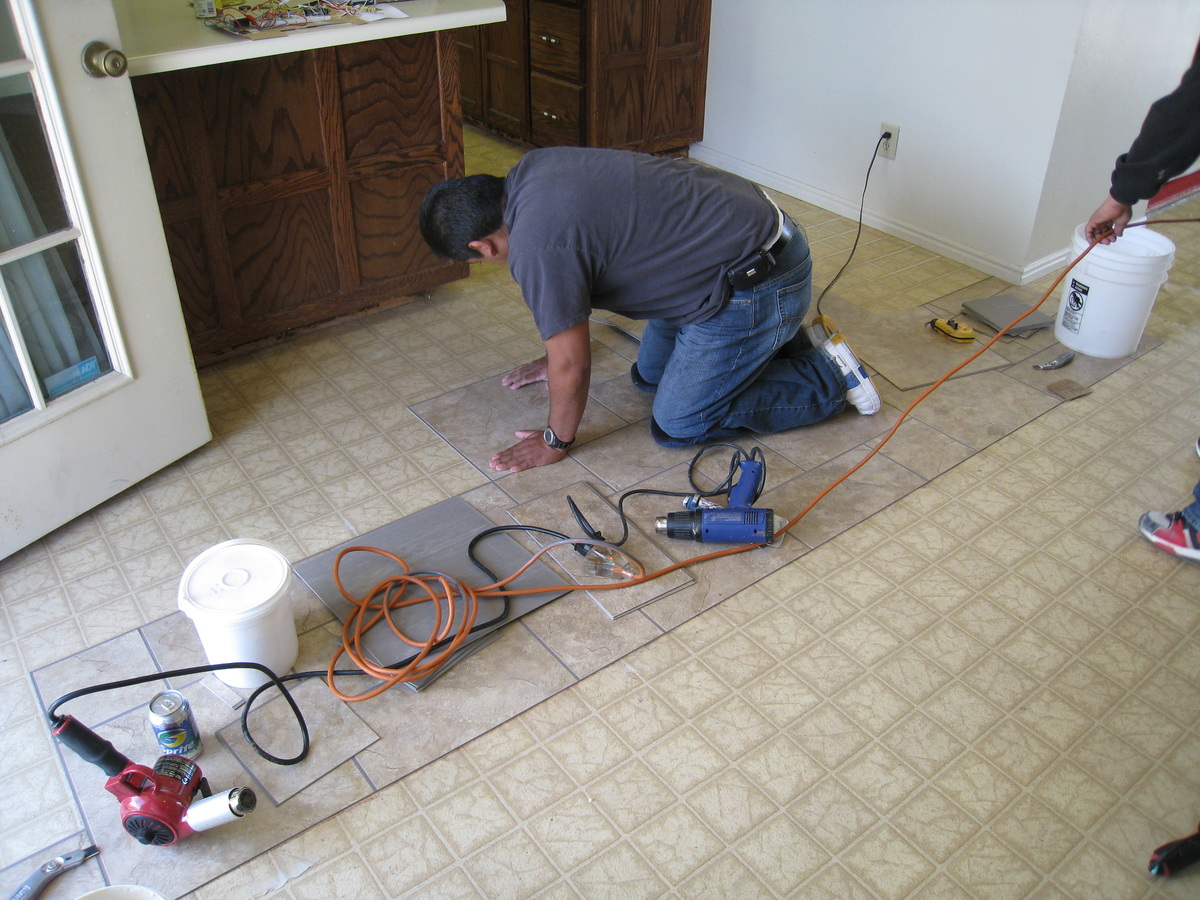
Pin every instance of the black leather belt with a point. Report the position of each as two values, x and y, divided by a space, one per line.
785 237
748 272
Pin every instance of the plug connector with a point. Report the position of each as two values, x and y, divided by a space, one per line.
603 563
889 137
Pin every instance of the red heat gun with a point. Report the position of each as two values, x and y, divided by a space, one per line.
158 805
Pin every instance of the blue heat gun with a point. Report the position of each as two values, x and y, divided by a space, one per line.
738 523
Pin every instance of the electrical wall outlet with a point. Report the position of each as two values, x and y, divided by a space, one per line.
887 147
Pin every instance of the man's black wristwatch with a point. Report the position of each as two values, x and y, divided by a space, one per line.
552 440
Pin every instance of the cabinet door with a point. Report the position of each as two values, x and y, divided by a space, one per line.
470 70
679 77
506 72
647 73
289 185
620 72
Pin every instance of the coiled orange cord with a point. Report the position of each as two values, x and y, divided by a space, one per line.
454 600
380 603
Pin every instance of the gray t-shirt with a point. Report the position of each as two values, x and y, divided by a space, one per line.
646 237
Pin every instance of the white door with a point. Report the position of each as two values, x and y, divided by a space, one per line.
98 388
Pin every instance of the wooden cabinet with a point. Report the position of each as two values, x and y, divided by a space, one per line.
289 185
494 62
600 73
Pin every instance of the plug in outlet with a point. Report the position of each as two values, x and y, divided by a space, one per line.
887 147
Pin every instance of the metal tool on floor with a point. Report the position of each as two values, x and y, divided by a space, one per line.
51 869
1058 362
738 523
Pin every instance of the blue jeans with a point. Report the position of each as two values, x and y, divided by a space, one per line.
748 368
1191 512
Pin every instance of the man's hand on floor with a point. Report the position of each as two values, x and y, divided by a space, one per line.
529 373
530 452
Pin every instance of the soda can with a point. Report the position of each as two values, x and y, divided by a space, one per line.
174 725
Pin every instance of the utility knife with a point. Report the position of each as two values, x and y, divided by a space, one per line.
50 869
1058 362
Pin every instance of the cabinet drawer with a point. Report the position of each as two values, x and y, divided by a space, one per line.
554 39
555 111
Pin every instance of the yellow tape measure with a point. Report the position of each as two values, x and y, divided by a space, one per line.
953 330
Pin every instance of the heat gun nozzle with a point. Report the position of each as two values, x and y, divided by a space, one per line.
220 808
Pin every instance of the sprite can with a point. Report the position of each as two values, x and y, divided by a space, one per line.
174 725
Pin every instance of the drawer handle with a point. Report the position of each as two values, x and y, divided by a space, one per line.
547 39
549 115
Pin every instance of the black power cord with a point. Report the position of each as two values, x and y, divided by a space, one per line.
275 681
861 206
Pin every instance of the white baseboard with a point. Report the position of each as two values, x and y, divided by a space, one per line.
937 243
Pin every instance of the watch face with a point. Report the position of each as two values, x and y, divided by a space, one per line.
552 440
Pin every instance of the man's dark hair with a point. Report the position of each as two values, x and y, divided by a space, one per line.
459 211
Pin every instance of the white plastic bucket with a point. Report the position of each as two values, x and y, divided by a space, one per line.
236 594
1107 298
122 892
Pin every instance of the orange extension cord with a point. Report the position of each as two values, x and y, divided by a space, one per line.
385 596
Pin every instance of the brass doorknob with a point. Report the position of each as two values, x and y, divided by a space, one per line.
102 61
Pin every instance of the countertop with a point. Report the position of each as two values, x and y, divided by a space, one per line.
164 35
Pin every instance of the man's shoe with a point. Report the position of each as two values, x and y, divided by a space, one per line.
859 390
639 382
1170 532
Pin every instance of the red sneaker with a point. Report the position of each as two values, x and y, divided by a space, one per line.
1169 531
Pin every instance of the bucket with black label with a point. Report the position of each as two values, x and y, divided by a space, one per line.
1107 298
236 594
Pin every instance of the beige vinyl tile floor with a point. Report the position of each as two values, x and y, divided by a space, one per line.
984 686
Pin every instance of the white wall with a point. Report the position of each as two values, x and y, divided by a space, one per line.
1124 61
1009 118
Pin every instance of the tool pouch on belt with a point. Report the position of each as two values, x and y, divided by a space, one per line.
748 272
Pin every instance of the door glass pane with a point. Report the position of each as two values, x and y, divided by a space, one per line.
46 288
14 398
10 44
55 315
31 203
